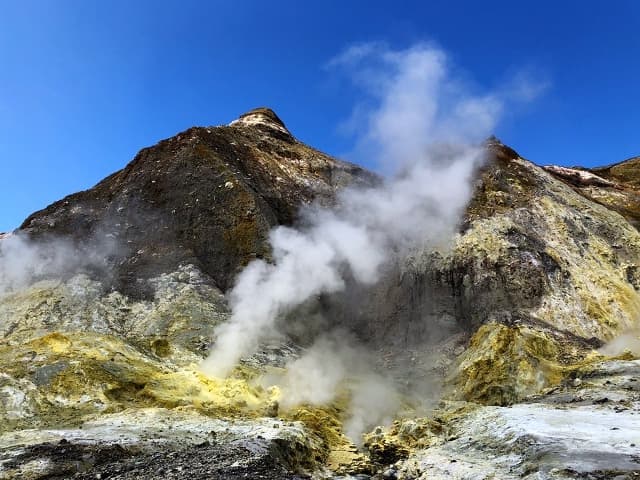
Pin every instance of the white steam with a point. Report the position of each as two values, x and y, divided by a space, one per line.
425 128
415 126
418 104
316 377
423 206
626 342
24 261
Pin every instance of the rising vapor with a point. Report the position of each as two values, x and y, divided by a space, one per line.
425 129
24 261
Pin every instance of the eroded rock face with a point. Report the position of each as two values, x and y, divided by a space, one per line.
615 186
182 313
549 268
539 277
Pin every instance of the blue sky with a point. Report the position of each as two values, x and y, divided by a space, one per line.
85 84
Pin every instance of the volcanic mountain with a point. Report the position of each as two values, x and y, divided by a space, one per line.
524 330
206 197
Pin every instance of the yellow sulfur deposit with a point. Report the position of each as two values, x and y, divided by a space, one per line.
65 379
503 364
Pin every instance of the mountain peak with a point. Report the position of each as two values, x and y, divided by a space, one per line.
261 116
211 194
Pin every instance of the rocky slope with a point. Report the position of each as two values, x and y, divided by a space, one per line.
206 197
98 373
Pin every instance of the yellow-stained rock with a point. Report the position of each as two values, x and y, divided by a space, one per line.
503 364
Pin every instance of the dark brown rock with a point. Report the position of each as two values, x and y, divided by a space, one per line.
208 196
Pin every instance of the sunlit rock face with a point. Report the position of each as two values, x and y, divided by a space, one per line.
538 277
616 187
546 273
264 117
99 367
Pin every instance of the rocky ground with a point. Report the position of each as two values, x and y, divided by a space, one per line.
203 461
153 443
588 427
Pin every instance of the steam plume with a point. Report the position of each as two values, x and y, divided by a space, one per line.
424 128
24 261
422 124
317 376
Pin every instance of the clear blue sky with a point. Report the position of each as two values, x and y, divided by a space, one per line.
85 84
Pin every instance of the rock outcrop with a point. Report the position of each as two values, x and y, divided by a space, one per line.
542 275
99 375
585 428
